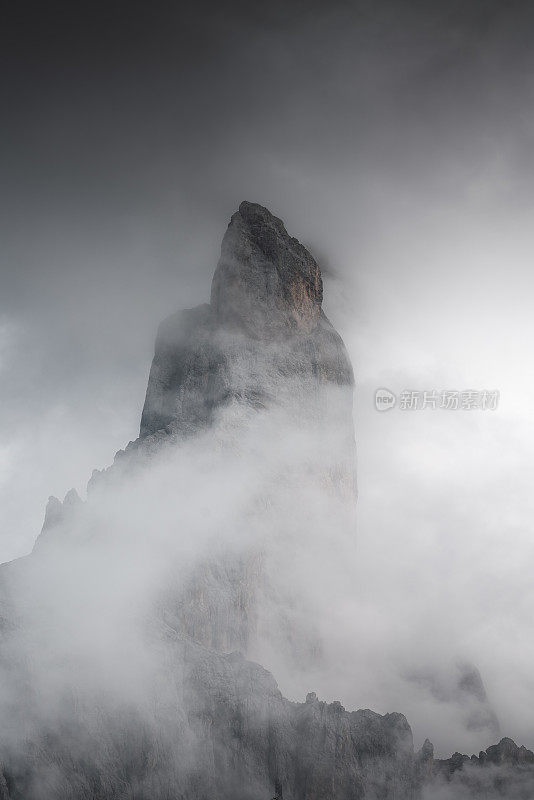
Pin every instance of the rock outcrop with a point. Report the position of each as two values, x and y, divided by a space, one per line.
59 518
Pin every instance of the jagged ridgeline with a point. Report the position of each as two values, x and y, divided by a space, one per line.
130 634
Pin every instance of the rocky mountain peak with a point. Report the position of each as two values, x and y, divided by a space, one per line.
266 282
263 338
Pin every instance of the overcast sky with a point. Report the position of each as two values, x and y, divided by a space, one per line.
395 140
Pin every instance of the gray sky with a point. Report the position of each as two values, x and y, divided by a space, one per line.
395 141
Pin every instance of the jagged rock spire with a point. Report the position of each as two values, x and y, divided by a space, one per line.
262 338
265 281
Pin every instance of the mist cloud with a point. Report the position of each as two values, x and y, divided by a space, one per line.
395 138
